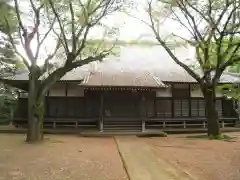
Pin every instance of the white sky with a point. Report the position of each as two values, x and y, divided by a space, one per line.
130 28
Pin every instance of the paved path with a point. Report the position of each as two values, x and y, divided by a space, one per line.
143 163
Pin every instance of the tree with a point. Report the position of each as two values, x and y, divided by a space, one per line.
9 63
8 104
70 23
211 26
8 60
235 68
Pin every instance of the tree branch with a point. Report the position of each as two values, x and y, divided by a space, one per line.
60 25
89 25
74 40
33 6
14 46
29 37
199 59
83 41
18 16
221 56
40 42
188 15
60 72
60 39
183 24
231 35
191 72
232 61
49 57
20 36
198 11
38 46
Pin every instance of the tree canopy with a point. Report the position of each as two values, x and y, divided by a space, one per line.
9 63
70 26
8 60
212 29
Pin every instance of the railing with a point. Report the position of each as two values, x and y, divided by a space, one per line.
128 123
84 123
194 122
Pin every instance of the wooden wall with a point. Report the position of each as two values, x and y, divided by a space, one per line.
179 101
67 89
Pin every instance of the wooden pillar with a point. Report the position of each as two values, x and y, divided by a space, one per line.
172 101
66 89
84 106
66 102
154 106
143 111
101 111
222 99
189 100
204 124
47 105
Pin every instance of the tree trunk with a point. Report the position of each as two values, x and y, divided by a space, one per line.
211 113
35 113
35 133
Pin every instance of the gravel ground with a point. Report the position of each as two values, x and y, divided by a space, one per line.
207 159
60 158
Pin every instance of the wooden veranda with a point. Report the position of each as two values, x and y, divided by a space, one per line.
128 109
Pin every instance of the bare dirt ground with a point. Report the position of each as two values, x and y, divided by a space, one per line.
60 158
207 159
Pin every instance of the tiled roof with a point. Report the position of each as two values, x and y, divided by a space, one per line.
136 66
174 75
228 77
137 79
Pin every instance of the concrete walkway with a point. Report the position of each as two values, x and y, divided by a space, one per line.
142 162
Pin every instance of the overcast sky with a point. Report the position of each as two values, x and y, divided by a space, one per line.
132 29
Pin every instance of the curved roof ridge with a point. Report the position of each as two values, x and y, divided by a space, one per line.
158 81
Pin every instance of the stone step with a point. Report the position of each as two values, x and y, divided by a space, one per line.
117 128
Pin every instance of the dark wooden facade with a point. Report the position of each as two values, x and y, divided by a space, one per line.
133 109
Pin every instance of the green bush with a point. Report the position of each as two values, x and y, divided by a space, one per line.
221 137
7 108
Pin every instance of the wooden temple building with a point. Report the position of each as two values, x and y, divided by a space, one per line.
128 100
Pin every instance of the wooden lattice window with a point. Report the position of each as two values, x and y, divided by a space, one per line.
228 108
198 108
219 107
164 107
150 107
181 108
57 107
76 107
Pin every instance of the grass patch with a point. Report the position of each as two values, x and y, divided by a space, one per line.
222 137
